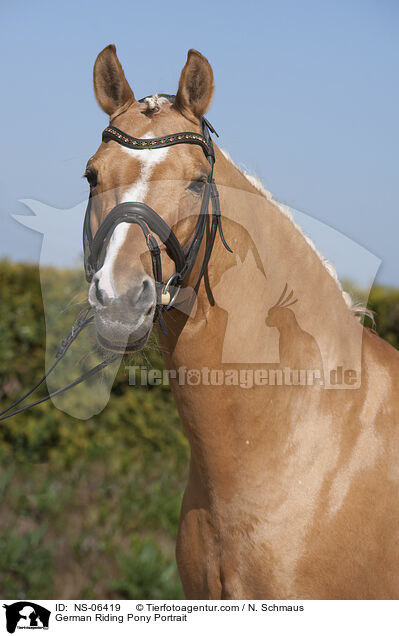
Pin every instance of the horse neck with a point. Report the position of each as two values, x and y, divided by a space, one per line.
229 330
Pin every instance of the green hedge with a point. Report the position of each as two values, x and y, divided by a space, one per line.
384 302
89 509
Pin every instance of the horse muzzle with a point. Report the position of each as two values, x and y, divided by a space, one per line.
125 323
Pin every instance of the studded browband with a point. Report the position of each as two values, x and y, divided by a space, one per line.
113 133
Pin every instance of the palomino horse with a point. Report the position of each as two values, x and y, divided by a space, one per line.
292 490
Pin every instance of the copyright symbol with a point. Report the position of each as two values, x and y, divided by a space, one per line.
139 607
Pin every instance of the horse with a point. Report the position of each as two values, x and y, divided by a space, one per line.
292 490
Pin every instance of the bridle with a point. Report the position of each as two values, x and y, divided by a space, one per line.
151 223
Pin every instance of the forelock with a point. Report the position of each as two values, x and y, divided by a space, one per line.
154 104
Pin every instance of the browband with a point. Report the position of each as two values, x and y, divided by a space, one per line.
113 133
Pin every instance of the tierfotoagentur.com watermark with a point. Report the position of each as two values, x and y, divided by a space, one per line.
244 378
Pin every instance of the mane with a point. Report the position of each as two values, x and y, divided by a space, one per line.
356 309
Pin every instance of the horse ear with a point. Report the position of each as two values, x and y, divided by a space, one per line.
196 86
111 88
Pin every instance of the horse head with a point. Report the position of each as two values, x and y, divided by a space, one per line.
168 179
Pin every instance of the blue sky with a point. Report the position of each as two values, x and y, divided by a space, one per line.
306 98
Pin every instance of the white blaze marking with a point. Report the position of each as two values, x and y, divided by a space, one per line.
136 192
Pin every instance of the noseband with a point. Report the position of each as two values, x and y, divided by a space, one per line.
151 223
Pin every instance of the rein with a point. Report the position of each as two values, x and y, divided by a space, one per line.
150 223
71 336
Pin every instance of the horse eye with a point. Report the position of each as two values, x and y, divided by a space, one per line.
196 186
91 176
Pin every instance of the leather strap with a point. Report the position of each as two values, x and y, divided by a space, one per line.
141 214
114 134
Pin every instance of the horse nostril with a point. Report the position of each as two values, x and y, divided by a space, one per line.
100 294
146 296
141 296
145 292
146 284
